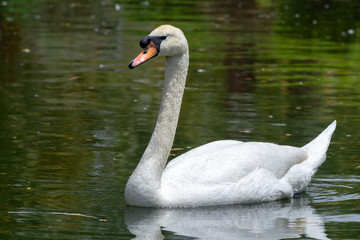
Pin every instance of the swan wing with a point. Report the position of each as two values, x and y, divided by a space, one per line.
229 161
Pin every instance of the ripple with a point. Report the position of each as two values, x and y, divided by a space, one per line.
53 213
343 218
333 188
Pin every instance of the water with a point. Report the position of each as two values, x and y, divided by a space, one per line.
74 120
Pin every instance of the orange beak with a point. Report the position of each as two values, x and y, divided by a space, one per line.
146 54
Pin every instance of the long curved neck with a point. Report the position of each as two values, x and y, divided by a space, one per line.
158 150
146 179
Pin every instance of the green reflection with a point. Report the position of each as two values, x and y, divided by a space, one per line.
74 120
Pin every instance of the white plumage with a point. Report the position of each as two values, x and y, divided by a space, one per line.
218 173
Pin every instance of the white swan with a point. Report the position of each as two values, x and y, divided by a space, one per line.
218 173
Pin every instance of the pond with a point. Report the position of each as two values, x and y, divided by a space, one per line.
74 120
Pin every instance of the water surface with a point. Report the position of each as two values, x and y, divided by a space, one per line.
74 120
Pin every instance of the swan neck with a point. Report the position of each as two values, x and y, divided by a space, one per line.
165 129
146 178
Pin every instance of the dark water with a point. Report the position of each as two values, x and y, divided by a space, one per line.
74 120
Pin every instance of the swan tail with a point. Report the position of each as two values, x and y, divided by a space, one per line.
299 176
317 148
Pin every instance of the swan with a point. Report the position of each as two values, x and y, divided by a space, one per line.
223 172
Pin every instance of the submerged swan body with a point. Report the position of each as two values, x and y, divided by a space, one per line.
218 173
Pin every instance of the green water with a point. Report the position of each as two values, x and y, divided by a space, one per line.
74 120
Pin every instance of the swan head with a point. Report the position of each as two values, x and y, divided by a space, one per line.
165 40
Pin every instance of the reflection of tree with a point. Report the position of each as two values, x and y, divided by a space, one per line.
56 128
240 79
267 57
325 20
10 39
237 19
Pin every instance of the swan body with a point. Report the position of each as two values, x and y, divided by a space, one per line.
218 173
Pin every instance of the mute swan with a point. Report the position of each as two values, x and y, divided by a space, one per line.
218 173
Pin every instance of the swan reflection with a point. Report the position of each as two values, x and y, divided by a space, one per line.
274 220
